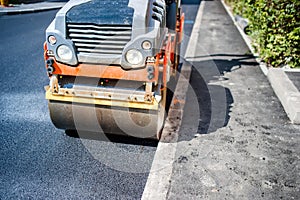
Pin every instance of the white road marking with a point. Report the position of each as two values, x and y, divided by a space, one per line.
159 179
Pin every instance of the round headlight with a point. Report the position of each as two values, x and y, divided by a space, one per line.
134 57
64 52
52 39
146 45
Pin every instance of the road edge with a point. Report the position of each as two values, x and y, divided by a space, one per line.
159 179
246 39
283 87
286 92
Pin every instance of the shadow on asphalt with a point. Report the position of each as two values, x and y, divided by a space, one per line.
214 101
229 62
187 2
112 138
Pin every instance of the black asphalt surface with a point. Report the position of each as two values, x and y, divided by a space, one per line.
240 143
39 161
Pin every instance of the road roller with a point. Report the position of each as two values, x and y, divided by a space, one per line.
109 64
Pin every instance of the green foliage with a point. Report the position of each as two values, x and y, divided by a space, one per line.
274 27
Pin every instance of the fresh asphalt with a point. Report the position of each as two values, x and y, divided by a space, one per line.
39 161
240 145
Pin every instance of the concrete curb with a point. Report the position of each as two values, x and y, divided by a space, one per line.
159 179
31 8
283 87
287 93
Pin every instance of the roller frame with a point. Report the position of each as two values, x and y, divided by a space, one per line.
93 111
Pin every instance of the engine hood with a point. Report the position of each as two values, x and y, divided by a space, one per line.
87 26
101 12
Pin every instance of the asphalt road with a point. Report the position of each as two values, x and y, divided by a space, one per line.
39 161
241 144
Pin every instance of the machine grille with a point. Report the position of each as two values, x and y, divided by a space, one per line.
99 39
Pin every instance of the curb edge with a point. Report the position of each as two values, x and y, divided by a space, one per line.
286 92
283 87
262 65
159 180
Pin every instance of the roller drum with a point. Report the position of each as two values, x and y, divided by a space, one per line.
140 123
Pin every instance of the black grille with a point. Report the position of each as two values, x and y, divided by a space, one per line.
99 39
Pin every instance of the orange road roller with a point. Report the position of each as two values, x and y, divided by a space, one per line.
109 64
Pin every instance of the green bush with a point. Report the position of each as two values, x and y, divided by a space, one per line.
274 27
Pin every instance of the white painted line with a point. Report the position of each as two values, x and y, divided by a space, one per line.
247 40
159 179
191 48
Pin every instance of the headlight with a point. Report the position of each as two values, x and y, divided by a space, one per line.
146 45
134 57
64 52
52 39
